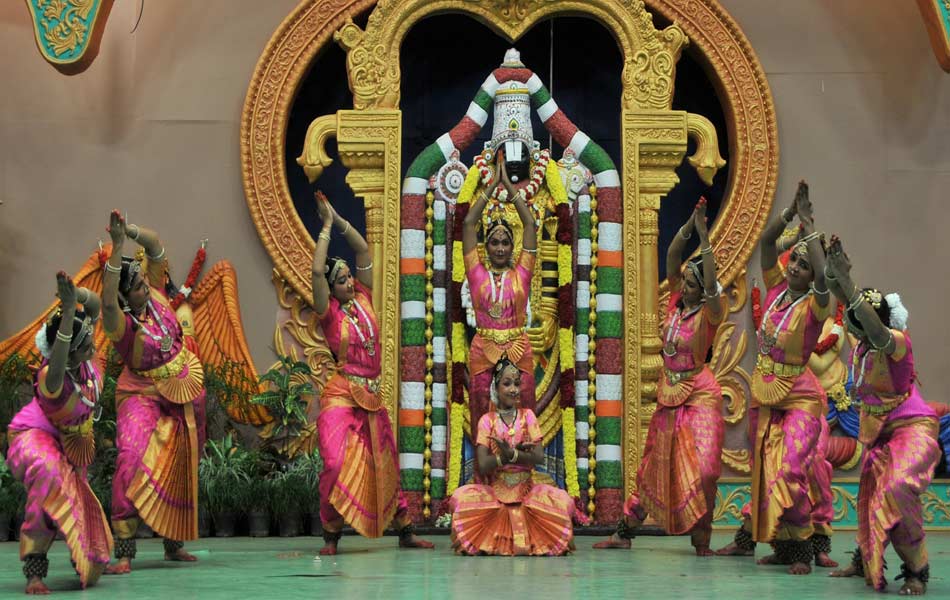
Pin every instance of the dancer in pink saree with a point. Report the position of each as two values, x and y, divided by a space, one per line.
52 445
898 430
159 402
676 482
359 484
788 405
507 513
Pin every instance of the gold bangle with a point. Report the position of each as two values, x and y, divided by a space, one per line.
158 256
113 269
514 458
706 250
324 236
368 267
345 229
498 460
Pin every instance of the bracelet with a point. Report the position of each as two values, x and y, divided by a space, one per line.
706 250
827 276
785 219
64 337
80 291
368 267
498 460
158 256
324 236
345 229
685 236
890 338
855 299
530 250
824 292
128 232
514 457
811 236
112 269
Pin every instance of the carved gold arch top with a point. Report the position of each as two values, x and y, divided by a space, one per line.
649 55
288 55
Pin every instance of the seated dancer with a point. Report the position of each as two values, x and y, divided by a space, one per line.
898 430
676 482
508 514
500 290
787 409
159 398
52 445
359 483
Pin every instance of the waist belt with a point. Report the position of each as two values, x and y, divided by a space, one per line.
766 366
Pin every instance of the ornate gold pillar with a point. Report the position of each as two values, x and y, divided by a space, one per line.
369 143
654 143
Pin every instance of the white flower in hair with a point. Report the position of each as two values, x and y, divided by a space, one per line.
41 342
899 312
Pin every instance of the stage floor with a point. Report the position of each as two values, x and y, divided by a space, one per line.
657 567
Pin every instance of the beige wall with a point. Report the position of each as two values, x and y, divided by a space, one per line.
152 127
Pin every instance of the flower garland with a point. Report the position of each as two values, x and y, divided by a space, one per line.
185 290
455 457
592 359
566 319
500 194
427 453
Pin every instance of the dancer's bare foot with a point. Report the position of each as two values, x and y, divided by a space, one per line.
732 549
614 542
849 571
120 568
823 560
799 568
770 559
704 551
913 587
180 555
36 587
415 542
329 548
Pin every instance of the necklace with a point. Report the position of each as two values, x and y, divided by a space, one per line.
165 340
494 311
92 383
673 330
514 421
767 339
368 341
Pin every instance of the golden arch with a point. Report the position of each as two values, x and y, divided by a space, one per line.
654 142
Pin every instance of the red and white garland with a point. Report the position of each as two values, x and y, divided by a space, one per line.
185 290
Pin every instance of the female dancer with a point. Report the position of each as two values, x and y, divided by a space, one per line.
898 430
499 297
359 484
52 444
676 482
159 402
508 514
787 400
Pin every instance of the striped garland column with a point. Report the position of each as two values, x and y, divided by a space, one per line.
582 339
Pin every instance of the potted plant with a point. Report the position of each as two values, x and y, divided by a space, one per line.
224 474
227 385
289 498
12 497
288 392
260 492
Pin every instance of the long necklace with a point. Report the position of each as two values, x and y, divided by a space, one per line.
767 340
858 375
368 341
497 289
91 383
165 339
673 330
